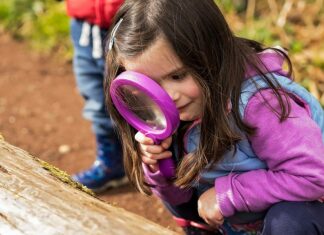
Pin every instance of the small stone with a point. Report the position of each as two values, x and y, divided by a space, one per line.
63 149
12 120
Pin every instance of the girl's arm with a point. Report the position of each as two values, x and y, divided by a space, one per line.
164 189
161 187
293 150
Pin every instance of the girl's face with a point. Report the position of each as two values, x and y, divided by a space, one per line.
160 63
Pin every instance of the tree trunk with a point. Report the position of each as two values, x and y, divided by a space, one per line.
34 200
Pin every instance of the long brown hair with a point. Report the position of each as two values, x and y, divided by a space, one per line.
202 39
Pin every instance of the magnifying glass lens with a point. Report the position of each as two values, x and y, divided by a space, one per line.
142 106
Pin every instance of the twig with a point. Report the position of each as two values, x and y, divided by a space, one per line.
273 7
284 13
250 10
318 6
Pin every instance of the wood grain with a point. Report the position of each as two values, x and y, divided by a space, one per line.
33 201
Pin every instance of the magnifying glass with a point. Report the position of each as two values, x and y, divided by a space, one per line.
148 108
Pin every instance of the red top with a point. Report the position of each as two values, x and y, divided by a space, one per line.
99 12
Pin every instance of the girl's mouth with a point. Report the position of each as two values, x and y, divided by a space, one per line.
182 107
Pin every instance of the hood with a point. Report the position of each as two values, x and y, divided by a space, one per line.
272 60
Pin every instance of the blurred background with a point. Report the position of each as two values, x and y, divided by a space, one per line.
293 24
40 107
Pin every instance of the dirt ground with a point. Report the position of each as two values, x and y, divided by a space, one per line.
40 112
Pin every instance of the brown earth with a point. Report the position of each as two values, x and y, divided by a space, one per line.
40 112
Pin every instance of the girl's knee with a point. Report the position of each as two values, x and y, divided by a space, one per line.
289 218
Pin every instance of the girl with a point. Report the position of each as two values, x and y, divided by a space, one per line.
249 149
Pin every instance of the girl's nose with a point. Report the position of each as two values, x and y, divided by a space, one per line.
175 95
172 90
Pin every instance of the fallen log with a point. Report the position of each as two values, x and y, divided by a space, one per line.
36 198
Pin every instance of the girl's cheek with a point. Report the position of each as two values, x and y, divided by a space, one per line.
195 92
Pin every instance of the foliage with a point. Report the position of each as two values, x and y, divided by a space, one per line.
43 22
294 24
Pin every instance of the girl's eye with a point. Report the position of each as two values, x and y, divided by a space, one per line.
179 76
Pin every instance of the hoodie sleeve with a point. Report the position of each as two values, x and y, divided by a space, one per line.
293 150
164 189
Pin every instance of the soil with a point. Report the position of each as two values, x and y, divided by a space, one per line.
40 112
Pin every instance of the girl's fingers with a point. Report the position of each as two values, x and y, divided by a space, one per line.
152 164
152 152
141 138
152 160
167 142
163 155
214 224
148 161
154 149
154 167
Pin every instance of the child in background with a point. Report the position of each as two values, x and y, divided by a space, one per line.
250 145
89 27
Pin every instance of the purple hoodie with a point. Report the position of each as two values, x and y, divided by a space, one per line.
293 151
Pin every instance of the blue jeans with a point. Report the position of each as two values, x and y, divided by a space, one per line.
89 74
288 218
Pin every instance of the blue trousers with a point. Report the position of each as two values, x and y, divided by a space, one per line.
89 74
287 218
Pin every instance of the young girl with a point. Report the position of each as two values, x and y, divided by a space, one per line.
249 149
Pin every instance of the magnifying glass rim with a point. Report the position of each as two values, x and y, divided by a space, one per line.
151 89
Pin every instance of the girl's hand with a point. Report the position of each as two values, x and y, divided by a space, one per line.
208 208
151 152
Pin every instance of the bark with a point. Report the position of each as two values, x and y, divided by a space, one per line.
34 200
